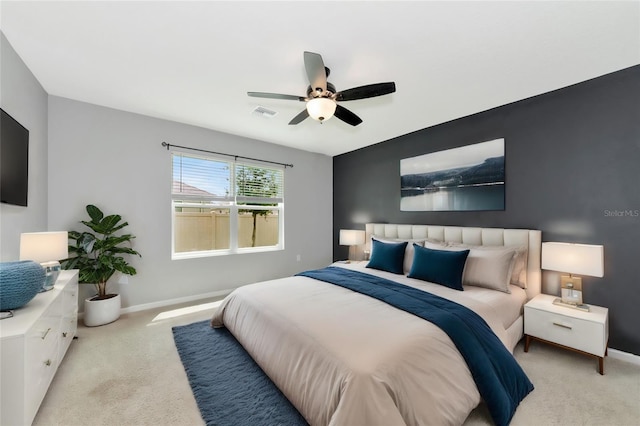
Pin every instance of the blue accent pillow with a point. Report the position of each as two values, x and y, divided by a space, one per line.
387 256
439 266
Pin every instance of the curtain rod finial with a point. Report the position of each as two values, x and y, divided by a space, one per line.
166 144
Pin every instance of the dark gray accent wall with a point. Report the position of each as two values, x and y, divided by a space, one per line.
572 171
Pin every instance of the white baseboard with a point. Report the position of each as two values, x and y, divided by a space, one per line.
163 303
624 356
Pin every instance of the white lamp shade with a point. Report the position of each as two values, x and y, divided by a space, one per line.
44 246
321 109
351 237
580 259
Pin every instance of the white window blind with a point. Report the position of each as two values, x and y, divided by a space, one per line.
258 184
208 178
202 178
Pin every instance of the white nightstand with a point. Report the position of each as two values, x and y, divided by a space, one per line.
583 332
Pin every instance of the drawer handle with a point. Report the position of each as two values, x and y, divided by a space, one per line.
562 325
47 363
64 334
45 333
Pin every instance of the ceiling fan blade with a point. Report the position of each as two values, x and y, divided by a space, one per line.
347 116
276 96
368 91
314 65
300 117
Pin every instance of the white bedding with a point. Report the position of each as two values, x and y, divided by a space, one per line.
343 358
507 307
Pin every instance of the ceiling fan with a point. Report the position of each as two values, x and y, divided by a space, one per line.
322 98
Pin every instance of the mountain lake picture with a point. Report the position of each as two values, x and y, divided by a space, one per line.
468 178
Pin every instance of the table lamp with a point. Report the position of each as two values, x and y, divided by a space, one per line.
570 258
351 238
46 248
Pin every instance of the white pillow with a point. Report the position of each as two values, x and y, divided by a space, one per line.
434 244
519 271
519 274
490 267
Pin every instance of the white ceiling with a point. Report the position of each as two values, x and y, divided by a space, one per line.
193 62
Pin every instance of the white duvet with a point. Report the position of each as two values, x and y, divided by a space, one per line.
343 358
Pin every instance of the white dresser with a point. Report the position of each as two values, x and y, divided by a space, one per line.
32 346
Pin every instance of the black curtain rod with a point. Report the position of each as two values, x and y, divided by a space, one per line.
168 145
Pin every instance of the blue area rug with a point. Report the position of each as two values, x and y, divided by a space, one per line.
229 387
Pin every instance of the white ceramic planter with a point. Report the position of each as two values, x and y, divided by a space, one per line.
100 312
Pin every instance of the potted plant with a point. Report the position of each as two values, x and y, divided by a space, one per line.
98 256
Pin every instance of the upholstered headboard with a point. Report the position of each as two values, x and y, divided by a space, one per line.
472 236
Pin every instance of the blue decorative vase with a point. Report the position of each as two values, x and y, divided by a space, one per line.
19 283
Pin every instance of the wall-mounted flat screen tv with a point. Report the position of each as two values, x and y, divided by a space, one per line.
14 161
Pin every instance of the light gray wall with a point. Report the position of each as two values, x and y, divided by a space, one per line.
114 159
22 97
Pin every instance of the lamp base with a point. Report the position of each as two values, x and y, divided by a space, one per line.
352 253
582 307
52 270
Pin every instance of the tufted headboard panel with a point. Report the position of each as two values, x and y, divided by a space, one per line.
472 236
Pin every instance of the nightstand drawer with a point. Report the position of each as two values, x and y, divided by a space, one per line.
584 335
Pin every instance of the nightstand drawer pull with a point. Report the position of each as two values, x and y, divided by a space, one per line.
562 325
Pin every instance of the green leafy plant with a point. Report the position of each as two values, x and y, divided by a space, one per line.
98 255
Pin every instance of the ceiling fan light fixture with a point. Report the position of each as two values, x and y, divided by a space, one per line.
322 98
321 109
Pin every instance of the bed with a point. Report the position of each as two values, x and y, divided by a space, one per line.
345 358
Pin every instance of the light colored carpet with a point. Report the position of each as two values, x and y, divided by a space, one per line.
129 373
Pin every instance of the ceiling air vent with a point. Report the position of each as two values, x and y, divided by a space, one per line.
262 111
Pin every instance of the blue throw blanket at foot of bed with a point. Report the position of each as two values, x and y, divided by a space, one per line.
500 380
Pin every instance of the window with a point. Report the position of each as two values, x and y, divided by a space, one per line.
225 207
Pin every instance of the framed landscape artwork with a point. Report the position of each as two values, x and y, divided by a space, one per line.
469 178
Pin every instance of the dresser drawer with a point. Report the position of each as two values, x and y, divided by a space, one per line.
41 354
69 322
68 328
40 367
584 335
70 298
42 337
